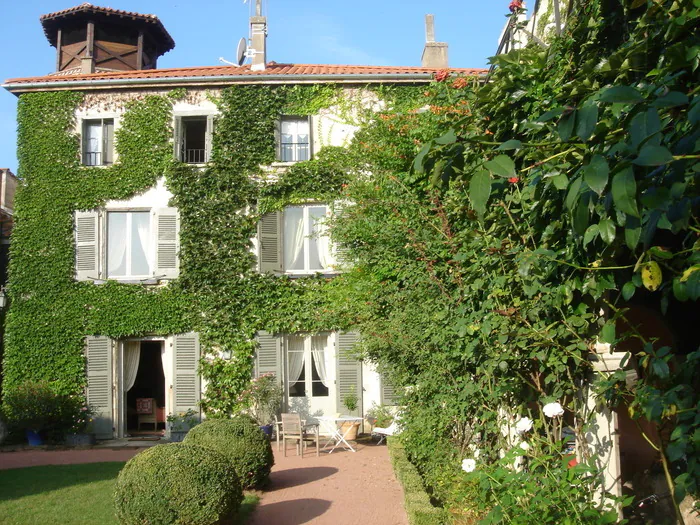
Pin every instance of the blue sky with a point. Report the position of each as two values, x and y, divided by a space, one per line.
379 32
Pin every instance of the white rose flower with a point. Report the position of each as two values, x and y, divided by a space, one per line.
468 465
525 445
524 424
553 410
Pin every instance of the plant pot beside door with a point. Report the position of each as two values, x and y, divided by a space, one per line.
350 401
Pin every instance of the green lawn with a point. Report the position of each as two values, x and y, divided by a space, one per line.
66 494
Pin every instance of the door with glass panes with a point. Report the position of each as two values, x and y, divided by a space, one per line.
310 369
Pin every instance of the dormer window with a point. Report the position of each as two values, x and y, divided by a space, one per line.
294 142
193 138
98 142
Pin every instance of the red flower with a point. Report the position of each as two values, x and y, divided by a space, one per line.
442 75
515 5
513 180
460 82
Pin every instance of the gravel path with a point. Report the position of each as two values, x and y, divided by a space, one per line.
342 488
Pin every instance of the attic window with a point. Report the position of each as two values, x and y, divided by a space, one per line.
193 139
98 142
294 139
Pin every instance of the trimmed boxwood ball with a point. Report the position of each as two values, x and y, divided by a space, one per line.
177 483
242 442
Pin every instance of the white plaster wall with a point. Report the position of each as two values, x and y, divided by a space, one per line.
371 385
156 197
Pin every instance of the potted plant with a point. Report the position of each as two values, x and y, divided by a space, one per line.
262 400
349 428
180 424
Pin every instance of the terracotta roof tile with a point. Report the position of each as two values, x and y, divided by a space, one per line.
244 72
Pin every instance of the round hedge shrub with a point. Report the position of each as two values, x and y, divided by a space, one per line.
177 483
242 442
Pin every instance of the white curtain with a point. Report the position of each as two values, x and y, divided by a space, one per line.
93 140
318 352
116 248
132 355
293 238
166 359
295 358
143 232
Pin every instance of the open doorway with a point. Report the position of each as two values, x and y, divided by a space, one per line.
144 385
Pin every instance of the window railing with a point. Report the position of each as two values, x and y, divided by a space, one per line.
93 158
195 156
294 151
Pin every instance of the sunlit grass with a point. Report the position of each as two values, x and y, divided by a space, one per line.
67 494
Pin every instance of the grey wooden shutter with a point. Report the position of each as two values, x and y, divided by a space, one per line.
387 394
167 242
311 136
208 137
107 141
86 245
177 138
268 358
348 372
270 242
186 388
98 356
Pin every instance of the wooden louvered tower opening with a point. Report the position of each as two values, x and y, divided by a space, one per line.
92 39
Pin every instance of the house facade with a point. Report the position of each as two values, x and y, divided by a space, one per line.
174 237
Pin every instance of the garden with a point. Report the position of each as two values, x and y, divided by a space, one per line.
511 233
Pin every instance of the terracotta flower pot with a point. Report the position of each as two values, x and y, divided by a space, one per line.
351 428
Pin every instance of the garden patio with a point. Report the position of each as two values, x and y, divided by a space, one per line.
336 488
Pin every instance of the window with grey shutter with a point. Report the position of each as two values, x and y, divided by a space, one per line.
387 395
167 237
270 243
186 382
348 371
208 138
86 245
98 357
268 358
177 138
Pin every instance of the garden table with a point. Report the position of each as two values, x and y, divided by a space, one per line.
337 438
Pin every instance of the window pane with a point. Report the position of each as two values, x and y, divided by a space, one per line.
116 244
296 368
319 372
294 238
315 227
92 143
140 237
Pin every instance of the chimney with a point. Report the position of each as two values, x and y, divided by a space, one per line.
434 53
258 30
87 65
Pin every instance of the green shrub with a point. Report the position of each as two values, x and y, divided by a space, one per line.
242 442
417 503
177 483
41 407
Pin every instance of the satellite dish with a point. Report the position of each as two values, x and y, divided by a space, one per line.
240 51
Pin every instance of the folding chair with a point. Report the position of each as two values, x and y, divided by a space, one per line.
292 429
391 430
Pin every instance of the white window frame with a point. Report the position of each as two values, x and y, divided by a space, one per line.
103 142
307 121
307 234
163 245
308 364
150 253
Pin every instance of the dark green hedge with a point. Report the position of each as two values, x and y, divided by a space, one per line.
242 442
177 483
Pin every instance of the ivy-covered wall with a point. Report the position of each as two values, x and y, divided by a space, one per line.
218 294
